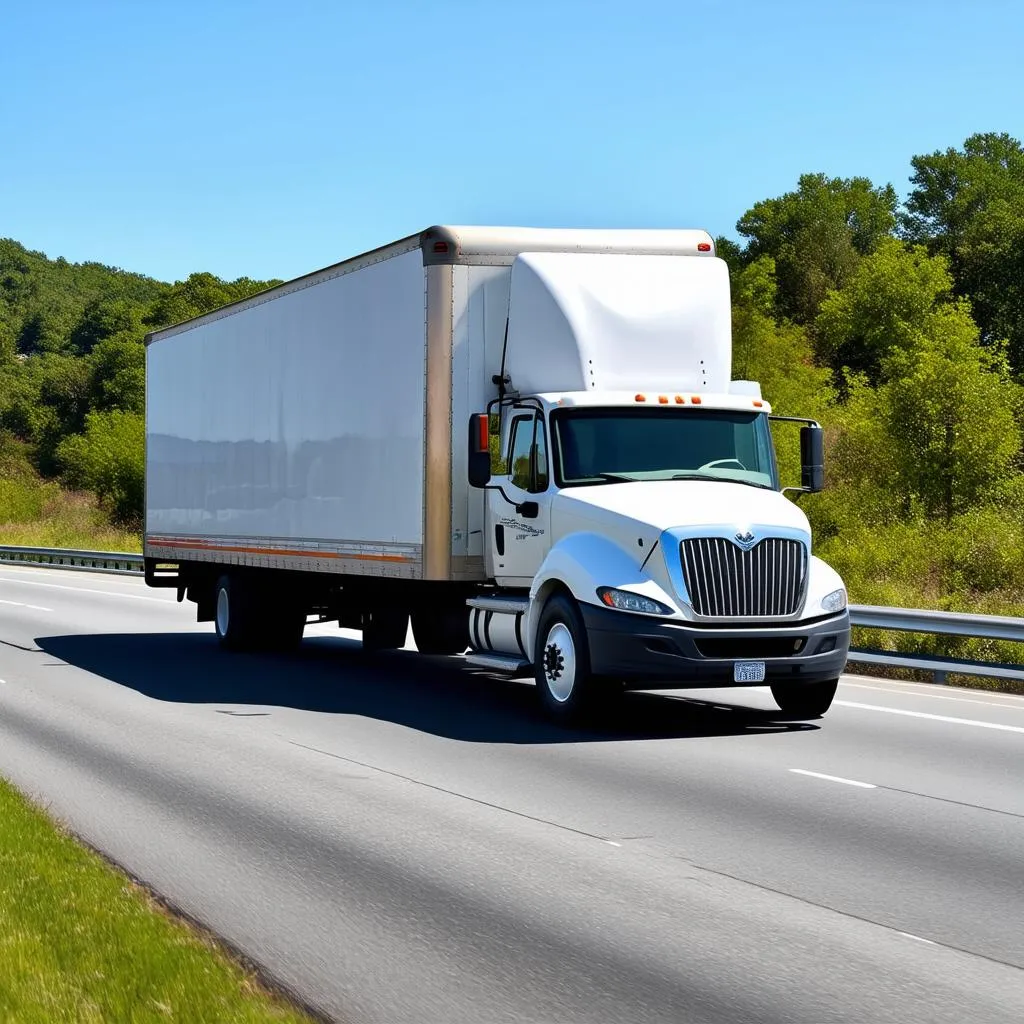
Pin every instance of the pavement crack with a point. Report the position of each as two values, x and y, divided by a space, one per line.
950 800
849 914
455 793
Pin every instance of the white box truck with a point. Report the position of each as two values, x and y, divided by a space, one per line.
328 450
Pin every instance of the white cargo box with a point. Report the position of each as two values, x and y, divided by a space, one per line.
321 425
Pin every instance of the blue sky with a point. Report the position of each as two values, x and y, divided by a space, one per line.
270 139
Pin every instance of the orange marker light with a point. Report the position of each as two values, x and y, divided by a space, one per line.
680 400
695 399
641 398
663 399
758 403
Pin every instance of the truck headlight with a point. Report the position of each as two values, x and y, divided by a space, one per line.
834 602
626 601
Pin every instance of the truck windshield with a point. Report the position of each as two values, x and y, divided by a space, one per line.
607 445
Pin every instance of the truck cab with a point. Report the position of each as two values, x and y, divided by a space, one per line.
636 530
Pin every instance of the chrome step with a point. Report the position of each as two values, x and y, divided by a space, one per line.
500 605
499 663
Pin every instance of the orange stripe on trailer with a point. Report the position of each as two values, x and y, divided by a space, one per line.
233 549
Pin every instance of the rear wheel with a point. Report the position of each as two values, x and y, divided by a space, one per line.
234 617
248 617
441 631
805 700
567 688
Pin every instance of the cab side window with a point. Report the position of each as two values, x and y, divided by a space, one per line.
528 455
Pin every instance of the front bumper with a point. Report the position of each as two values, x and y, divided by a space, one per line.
641 650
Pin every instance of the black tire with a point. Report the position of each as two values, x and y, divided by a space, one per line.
384 629
251 618
568 690
441 631
234 616
805 700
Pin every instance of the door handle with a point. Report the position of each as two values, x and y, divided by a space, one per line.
499 540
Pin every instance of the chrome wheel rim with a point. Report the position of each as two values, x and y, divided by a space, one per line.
560 662
223 611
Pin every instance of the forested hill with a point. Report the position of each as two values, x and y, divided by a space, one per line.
899 325
72 378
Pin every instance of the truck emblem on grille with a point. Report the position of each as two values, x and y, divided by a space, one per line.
745 539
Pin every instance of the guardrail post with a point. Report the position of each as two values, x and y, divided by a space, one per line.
939 677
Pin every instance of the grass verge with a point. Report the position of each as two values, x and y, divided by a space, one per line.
40 514
79 942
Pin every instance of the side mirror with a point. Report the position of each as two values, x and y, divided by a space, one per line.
479 450
528 509
812 458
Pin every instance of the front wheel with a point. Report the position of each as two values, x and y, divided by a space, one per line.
567 688
805 700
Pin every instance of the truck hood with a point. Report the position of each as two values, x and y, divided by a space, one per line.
678 504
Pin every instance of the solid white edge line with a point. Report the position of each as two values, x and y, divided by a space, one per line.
917 938
21 604
927 689
999 700
933 718
834 778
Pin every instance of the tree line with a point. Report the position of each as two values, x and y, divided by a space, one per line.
899 325
72 367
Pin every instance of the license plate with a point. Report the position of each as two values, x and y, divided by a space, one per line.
748 672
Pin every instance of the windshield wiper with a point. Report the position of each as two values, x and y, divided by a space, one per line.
720 479
618 478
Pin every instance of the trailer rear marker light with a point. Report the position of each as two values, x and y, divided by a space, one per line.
440 247
758 404
703 247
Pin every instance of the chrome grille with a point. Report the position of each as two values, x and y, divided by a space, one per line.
724 581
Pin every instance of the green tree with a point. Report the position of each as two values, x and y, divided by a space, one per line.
118 369
950 413
43 332
779 356
885 304
108 459
817 235
968 204
104 318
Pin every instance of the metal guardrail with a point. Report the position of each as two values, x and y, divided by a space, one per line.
904 620
116 562
915 620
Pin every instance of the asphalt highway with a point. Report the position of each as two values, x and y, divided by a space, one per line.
398 838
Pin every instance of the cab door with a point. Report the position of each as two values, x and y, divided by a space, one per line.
519 504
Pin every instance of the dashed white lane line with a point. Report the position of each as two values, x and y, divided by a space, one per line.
84 590
1006 701
933 718
834 778
21 604
917 938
